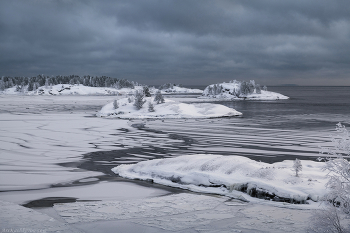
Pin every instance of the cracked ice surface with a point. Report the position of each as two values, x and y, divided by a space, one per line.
186 213
15 218
149 208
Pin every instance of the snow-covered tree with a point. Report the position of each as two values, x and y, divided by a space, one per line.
215 89
115 104
150 107
2 85
146 91
327 220
219 89
257 89
337 199
46 83
130 99
159 97
139 101
210 90
246 88
297 167
265 88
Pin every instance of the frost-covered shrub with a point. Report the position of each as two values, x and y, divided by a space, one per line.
265 88
150 107
327 220
159 98
139 101
337 199
297 167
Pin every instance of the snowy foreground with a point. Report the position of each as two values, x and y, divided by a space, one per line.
169 109
232 91
225 175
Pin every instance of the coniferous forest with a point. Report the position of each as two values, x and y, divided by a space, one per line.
32 83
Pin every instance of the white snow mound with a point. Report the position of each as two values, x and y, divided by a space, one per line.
226 174
169 109
232 91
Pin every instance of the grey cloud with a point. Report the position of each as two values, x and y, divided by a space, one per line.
191 42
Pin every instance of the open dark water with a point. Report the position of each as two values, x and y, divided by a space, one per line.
268 131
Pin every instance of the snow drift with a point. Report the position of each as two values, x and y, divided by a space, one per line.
226 174
169 109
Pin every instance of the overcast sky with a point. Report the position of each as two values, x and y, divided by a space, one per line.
184 41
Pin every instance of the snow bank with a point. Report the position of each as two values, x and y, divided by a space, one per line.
169 109
232 91
225 174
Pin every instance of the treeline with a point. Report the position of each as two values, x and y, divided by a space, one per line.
33 83
169 86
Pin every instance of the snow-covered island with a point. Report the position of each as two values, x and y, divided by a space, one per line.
236 90
225 175
125 108
81 85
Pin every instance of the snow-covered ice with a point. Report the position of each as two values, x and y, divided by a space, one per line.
15 218
169 109
184 213
226 174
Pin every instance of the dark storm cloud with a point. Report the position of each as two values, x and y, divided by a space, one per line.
191 42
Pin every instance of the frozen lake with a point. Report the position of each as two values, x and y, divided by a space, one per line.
54 150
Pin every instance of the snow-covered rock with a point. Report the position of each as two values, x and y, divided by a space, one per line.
232 90
226 175
169 109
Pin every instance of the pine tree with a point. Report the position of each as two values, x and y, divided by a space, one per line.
115 104
297 167
146 91
150 107
159 97
139 101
